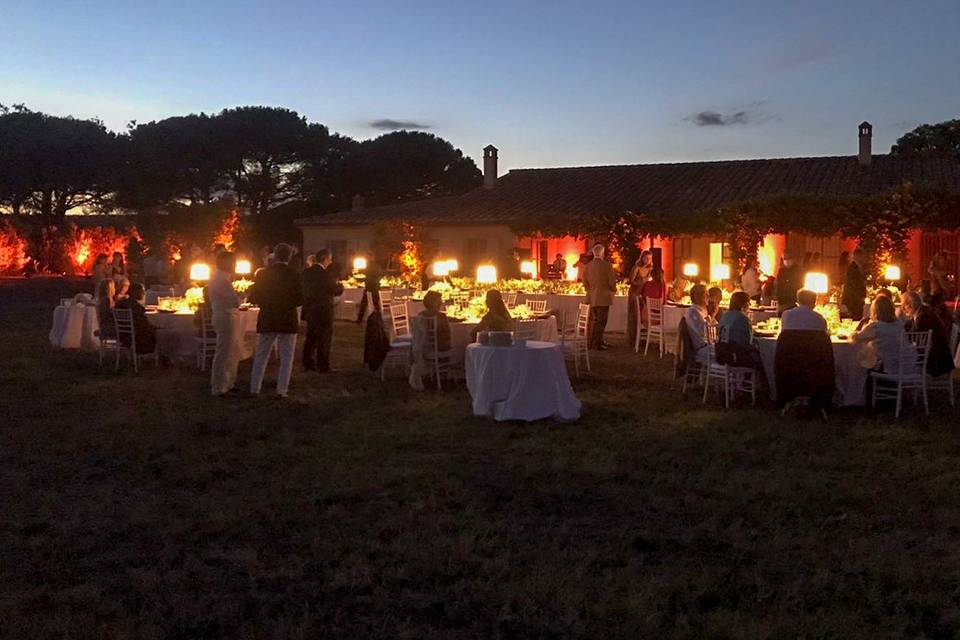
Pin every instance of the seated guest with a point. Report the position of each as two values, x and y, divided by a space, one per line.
146 333
803 317
497 318
105 304
735 338
714 300
431 309
803 365
880 338
122 289
920 317
696 317
678 289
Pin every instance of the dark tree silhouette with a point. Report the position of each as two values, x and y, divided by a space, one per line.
49 164
943 137
407 165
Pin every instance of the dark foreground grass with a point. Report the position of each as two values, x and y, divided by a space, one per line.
138 507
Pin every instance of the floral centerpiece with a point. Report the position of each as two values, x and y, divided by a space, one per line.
193 298
241 285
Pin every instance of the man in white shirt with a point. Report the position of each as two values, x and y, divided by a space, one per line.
750 280
803 317
224 301
697 317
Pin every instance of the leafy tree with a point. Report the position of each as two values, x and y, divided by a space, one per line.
50 165
943 137
265 149
172 161
406 165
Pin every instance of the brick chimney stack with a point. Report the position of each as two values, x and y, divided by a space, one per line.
489 166
866 144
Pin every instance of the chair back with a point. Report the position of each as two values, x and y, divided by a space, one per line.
206 323
654 309
583 319
510 299
525 329
914 352
537 305
399 320
123 320
430 348
712 333
386 295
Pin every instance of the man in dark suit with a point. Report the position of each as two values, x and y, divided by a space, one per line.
789 281
320 287
276 290
855 286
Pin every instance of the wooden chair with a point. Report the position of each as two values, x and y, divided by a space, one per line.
439 363
654 330
401 340
732 378
575 340
510 299
123 320
524 329
537 305
911 373
206 342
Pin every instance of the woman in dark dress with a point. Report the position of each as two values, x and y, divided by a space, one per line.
146 333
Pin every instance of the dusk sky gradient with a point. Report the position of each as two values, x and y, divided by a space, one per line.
550 83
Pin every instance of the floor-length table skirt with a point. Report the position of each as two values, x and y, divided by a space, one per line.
177 333
850 377
520 383
74 327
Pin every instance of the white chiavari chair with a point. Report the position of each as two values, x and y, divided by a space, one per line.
654 331
575 339
911 373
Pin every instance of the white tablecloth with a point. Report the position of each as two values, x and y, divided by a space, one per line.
74 327
851 378
177 332
520 383
672 314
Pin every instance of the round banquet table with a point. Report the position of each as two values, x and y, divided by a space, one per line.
74 327
177 333
545 331
520 383
850 388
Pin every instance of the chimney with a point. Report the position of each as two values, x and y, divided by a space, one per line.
489 166
866 144
356 203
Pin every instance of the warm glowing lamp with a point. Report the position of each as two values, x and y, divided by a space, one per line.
891 273
719 272
691 270
243 267
528 267
359 263
571 269
441 268
816 282
452 265
486 274
199 272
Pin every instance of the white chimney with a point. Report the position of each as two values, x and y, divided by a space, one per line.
866 144
489 166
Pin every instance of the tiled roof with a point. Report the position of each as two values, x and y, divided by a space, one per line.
665 189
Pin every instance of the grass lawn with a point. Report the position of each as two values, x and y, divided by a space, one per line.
139 507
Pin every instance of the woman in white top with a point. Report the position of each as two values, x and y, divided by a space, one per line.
882 336
750 280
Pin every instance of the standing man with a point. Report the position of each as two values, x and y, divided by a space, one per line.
224 302
276 290
320 287
855 286
600 283
789 281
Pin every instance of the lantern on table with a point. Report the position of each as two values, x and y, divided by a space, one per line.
243 268
691 270
486 274
199 272
817 282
